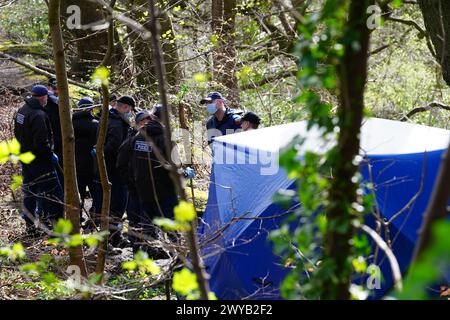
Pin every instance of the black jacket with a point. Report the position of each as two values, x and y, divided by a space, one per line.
85 128
115 136
32 129
52 110
149 179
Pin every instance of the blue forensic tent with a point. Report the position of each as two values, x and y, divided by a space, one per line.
404 160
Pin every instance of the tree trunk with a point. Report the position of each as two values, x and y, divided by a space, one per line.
223 18
437 22
143 50
436 18
71 195
89 52
343 190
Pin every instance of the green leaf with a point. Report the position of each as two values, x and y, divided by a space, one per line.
149 266
63 227
75 240
91 241
359 264
4 150
200 77
184 282
50 278
14 146
184 212
129 265
396 4
27 157
100 76
171 225
17 183
214 39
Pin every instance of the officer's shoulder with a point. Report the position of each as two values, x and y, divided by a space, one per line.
236 115
53 98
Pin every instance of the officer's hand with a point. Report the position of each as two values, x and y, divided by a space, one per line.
189 173
55 158
94 152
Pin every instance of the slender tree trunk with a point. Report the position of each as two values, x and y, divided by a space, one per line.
71 195
223 17
176 178
343 189
106 185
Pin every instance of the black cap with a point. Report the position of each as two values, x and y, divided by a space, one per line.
52 82
212 96
128 100
251 117
85 102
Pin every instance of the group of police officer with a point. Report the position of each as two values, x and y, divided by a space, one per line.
140 185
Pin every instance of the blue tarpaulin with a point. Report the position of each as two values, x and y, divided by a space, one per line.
403 158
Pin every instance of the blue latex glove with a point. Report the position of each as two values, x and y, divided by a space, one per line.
55 158
94 152
189 173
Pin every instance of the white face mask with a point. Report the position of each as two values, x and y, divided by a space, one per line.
212 108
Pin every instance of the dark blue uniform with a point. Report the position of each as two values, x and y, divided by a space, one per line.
140 167
32 129
85 128
117 133
216 128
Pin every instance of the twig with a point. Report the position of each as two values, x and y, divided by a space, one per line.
383 246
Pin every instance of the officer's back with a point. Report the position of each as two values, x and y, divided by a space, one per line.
33 129
150 177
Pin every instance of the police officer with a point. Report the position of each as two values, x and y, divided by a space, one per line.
118 126
125 170
85 128
32 129
250 121
155 190
52 110
223 119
